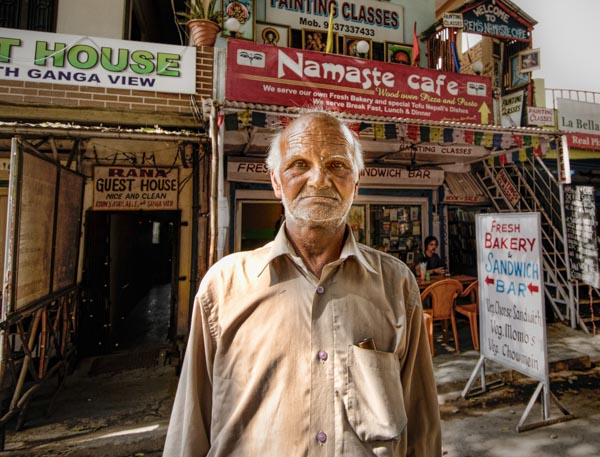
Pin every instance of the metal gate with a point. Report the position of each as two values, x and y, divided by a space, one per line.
40 290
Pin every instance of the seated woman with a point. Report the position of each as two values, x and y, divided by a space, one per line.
435 265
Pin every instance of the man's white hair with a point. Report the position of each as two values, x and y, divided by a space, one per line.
274 155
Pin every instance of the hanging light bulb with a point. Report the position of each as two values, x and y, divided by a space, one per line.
477 67
362 47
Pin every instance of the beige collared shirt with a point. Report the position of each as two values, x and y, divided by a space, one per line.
272 368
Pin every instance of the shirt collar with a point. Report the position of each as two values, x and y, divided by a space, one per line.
281 246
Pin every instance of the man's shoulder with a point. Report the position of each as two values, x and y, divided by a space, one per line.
233 274
385 260
242 259
397 277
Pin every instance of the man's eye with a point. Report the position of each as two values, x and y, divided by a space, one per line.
338 165
298 164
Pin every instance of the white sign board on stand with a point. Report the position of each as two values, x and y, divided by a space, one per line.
511 305
511 292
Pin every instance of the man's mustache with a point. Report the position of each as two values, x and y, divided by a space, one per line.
321 193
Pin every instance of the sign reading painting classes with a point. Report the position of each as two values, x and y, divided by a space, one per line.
379 21
511 292
135 188
291 77
99 62
540 116
454 20
512 109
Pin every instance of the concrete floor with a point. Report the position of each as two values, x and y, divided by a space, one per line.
125 413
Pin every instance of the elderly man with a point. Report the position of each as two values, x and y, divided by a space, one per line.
313 345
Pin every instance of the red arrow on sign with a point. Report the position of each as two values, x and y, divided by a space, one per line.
533 288
489 280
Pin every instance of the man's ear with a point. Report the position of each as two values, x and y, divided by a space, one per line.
356 189
275 184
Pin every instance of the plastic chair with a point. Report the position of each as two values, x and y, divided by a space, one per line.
470 309
443 294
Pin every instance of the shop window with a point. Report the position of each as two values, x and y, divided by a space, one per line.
155 21
260 222
38 15
462 242
397 230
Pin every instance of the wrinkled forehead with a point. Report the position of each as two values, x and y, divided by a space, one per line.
315 133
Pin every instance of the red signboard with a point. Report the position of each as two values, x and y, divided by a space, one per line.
580 140
292 77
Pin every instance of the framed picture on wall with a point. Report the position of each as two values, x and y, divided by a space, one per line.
243 11
275 34
517 79
350 47
398 52
529 60
316 40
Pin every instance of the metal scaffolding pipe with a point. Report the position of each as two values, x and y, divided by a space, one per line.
33 131
214 186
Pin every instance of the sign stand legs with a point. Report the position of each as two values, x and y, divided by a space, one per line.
545 399
480 367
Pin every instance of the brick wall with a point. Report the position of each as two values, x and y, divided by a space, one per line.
483 52
47 95
204 72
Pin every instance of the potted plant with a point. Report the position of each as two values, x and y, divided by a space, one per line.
202 21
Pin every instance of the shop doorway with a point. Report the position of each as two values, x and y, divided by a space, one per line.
129 281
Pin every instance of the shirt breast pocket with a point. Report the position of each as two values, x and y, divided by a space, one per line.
374 399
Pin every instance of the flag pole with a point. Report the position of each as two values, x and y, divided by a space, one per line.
329 46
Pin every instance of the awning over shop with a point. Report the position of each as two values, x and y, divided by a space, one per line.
73 131
395 142
67 141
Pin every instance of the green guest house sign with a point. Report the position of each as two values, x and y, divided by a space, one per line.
101 62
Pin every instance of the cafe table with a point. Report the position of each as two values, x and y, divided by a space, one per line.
465 280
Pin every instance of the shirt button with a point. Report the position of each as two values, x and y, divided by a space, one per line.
320 290
323 356
321 437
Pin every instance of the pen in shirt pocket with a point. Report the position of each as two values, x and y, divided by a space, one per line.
367 343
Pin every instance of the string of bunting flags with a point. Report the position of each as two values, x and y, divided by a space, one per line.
522 146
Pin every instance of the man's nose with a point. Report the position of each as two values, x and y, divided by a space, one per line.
319 176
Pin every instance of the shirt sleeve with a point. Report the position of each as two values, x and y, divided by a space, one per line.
418 382
188 434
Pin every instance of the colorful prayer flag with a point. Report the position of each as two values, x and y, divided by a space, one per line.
390 131
416 51
259 119
231 121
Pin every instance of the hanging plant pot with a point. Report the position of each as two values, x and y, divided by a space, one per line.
203 32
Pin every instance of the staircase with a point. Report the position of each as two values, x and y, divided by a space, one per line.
530 187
